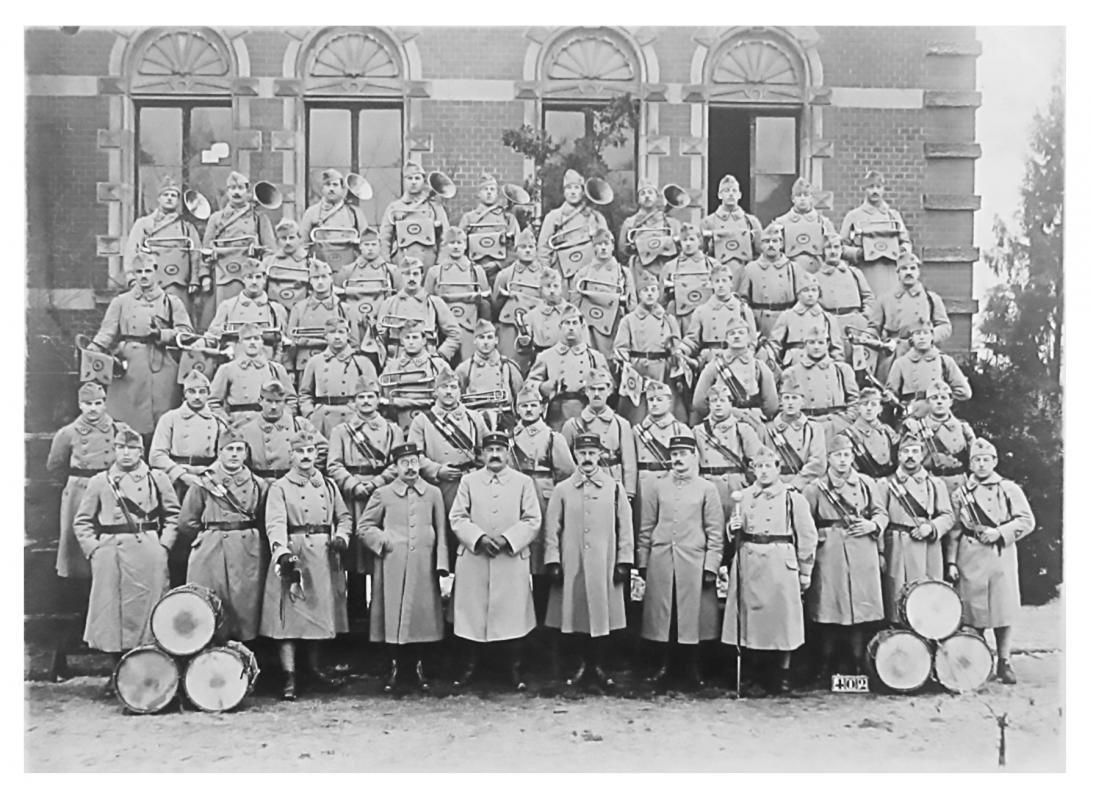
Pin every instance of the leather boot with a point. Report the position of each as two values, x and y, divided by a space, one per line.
660 676
694 670
517 680
419 668
780 684
578 674
392 676
469 669
288 691
1005 672
595 650
316 676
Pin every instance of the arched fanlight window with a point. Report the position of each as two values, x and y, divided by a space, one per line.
352 62
181 61
590 55
757 68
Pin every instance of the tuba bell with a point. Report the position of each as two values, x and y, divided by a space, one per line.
358 186
675 196
267 195
196 205
515 194
441 184
598 191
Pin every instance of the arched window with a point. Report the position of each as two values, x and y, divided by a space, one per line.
354 100
180 82
756 69
590 55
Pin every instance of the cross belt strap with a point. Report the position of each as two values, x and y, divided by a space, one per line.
364 470
332 400
76 472
270 473
764 538
148 338
661 466
612 460
192 461
651 355
578 395
771 306
724 470
125 527
816 412
538 472
233 525
907 396
840 310
310 529
717 345
244 407
893 526
947 472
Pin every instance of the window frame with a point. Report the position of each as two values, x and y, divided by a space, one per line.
562 104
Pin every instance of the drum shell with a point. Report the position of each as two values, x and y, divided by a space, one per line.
947 626
248 666
209 601
171 671
881 638
944 661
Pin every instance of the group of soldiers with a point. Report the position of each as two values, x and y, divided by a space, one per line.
471 426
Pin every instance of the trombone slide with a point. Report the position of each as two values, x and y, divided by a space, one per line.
405 379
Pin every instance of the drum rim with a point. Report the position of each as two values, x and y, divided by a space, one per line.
147 648
188 589
908 590
216 650
963 634
888 633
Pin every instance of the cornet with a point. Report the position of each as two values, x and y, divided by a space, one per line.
867 338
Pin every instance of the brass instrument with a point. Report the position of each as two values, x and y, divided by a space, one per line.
558 241
153 243
441 185
494 399
196 205
460 288
202 344
335 236
598 191
267 195
362 287
247 241
404 379
394 321
523 334
867 338
675 196
601 287
515 194
357 186
633 232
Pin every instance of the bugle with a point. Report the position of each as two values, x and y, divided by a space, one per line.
634 232
196 205
515 194
675 196
357 186
494 399
458 288
406 378
441 185
267 195
202 344
153 243
335 236
598 191
866 338
394 321
559 242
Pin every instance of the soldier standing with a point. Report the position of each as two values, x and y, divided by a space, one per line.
252 305
413 224
653 435
793 324
307 320
409 379
874 234
769 284
846 296
751 384
137 327
237 384
874 442
620 457
125 526
309 528
726 445
516 291
913 372
679 549
647 338
992 515
490 228
287 272
563 371
845 595
460 284
487 372
647 238
805 229
733 234
326 388
269 434
544 321
404 526
495 518
368 282
828 386
687 279
919 516
219 518
412 303
708 331
898 309
184 444
603 290
946 439
799 441
589 553
565 240
330 226
775 541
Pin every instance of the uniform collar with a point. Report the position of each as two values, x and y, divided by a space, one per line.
665 421
531 266
283 423
808 363
606 414
258 362
948 421
781 423
189 413
493 359
137 474
501 477
153 293
531 429
376 422
462 264
577 349
459 413
914 291
829 269
918 477
801 309
880 208
401 487
724 213
765 263
743 356
344 356
314 302
991 480
413 361
217 474
929 355
775 490
657 312
315 479
727 424
260 300
731 301
104 425
836 482
596 478
161 216
686 477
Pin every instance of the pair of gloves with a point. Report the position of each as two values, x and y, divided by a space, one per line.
620 575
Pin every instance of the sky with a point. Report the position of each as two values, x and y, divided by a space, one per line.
1015 74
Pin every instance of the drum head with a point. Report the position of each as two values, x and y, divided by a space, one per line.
963 662
901 660
185 620
217 679
931 609
146 680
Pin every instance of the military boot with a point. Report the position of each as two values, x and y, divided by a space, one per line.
288 690
660 675
317 678
1005 672
470 668
596 648
392 676
694 668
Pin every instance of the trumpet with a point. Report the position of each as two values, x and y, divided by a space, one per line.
409 377
675 196
267 195
295 335
335 236
202 344
358 186
867 338
196 205
494 399
515 194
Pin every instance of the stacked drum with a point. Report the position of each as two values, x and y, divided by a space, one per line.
930 643
215 676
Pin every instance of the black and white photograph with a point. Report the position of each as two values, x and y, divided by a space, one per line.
550 398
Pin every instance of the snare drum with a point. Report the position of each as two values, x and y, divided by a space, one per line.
146 679
963 662
900 659
930 608
186 618
217 679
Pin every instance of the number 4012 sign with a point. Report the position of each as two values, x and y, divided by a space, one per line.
850 683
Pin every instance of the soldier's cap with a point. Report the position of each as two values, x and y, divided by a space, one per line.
487 180
791 384
773 230
938 388
682 443
807 281
818 332
414 326
570 312
601 377
445 376
572 177
495 439
332 175
528 393
766 455
273 390
840 441
910 439
981 447
728 182
873 177
736 322
238 179
800 186
654 388
317 268
719 389
252 265
303 438
454 234
404 450
287 226
646 280
587 441
720 270
335 324
831 237
126 436
484 326
169 184
369 233
249 329
195 379
869 393
412 168
230 436
549 275
689 229
365 385
603 235
907 258
90 391
645 183
526 237
409 263
920 324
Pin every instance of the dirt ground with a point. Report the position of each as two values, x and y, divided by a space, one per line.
69 727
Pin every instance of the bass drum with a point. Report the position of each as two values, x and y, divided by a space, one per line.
901 660
185 619
146 680
217 679
931 609
963 662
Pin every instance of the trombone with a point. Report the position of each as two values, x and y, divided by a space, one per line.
634 232
202 344
410 377
494 399
867 338
558 241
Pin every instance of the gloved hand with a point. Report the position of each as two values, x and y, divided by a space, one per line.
289 566
554 572
622 573
805 583
709 578
486 545
952 574
339 543
362 490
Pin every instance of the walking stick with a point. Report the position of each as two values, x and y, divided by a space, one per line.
737 496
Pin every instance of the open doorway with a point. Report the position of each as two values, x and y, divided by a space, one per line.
759 147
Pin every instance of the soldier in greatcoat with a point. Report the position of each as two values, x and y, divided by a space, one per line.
805 229
647 339
490 228
898 310
565 239
727 442
252 305
732 233
653 435
589 553
775 540
751 383
333 211
920 515
799 441
845 595
707 334
220 523
517 290
913 372
184 444
788 335
947 438
404 527
236 386
326 388
461 284
769 283
845 294
369 280
874 234
620 457
648 239
679 550
137 328
544 456
992 515
563 371
486 372
829 388
307 319
544 321
412 303
287 271
125 526
408 380
269 434
308 527
687 278
413 224
874 442
495 518
603 290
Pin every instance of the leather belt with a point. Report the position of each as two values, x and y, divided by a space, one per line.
578 395
125 527
724 470
270 473
310 529
148 338
234 525
612 460
947 472
331 400
839 310
658 466
244 407
755 401
538 472
908 396
76 472
771 306
894 526
704 343
651 355
765 538
816 412
192 461
364 470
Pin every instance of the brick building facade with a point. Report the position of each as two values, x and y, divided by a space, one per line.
110 111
